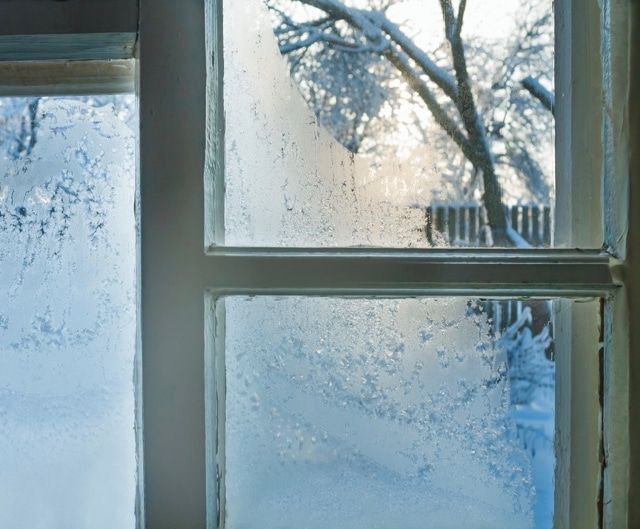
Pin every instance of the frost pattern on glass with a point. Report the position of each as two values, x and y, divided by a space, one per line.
364 122
67 313
287 181
384 413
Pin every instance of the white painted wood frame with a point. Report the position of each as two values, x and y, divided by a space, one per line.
184 261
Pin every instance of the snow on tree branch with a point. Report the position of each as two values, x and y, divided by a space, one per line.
450 94
541 93
437 74
440 115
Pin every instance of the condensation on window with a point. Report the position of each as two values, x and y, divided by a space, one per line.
67 312
370 414
287 181
358 122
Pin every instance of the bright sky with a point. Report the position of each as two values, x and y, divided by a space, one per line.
483 18
422 19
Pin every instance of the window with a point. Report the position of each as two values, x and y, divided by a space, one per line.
68 236
284 273
198 297
369 412
68 340
388 125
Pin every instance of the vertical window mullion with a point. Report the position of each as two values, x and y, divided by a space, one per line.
172 123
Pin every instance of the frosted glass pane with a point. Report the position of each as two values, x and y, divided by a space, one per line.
67 313
373 414
348 126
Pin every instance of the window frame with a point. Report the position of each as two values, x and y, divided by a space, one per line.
181 273
582 470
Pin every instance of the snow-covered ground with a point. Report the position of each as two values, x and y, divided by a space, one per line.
67 314
532 380
381 413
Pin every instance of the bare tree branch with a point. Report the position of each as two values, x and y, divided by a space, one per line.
542 94
461 11
449 19
375 25
328 38
339 11
483 159
413 79
437 74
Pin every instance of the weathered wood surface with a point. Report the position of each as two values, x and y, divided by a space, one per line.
38 30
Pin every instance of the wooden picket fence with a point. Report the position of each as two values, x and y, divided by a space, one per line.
503 313
466 225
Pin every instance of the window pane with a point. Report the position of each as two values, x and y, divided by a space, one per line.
67 312
378 413
366 126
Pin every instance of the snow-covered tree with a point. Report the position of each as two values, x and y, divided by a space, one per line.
351 59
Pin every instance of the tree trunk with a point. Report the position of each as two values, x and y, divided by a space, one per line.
482 158
492 199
